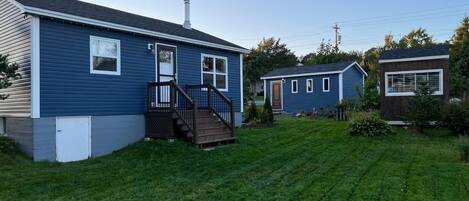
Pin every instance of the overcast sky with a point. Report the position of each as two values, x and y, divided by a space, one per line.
302 24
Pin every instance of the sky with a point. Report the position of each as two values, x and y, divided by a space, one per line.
303 24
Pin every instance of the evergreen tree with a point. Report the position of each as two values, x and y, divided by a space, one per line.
267 114
459 71
424 107
7 74
369 98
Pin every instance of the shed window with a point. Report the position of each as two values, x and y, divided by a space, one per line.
326 84
405 83
105 56
309 85
215 71
294 86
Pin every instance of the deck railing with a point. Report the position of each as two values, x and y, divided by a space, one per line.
169 97
210 98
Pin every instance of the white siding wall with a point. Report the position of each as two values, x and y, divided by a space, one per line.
15 41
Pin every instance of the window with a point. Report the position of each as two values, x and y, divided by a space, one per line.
294 86
104 56
325 84
215 71
309 86
406 82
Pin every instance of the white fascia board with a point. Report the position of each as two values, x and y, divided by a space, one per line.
300 75
241 81
414 59
53 14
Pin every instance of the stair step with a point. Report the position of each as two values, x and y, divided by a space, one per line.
226 139
213 133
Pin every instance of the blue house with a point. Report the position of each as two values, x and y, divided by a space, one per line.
96 79
311 88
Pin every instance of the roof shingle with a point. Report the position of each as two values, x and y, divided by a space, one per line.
101 13
298 70
434 50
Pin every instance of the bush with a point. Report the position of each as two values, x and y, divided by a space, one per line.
456 118
424 107
326 113
252 113
267 116
7 145
463 146
368 124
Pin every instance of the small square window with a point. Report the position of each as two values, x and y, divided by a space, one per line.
215 71
104 56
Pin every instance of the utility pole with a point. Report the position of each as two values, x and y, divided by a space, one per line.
338 37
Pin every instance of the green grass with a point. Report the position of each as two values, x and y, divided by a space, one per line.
300 159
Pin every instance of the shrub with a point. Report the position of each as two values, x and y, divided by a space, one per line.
456 118
326 113
463 146
267 116
252 113
7 145
368 124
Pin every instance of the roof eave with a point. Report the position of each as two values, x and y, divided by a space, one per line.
446 56
74 18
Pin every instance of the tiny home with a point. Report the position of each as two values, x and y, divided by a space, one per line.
96 79
314 87
400 72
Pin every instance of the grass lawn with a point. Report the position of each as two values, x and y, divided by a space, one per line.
300 159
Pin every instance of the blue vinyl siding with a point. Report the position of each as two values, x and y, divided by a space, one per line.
307 102
352 79
68 88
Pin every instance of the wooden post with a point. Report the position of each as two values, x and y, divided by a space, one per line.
194 122
232 118
149 96
172 95
209 96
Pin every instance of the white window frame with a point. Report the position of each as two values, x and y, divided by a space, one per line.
312 86
436 93
118 58
328 84
214 73
296 83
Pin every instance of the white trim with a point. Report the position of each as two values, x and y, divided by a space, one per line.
312 85
74 18
281 93
328 83
386 74
241 81
341 86
321 73
297 85
265 91
214 73
414 59
18 5
35 68
118 57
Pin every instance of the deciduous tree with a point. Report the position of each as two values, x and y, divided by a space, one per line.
7 74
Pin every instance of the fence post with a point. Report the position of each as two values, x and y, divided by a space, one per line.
149 96
209 96
194 122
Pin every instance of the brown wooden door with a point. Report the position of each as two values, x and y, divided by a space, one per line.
276 96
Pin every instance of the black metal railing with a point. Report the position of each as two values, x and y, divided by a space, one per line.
210 98
168 96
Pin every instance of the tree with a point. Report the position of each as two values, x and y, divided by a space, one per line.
371 60
369 98
270 53
423 108
416 39
267 114
389 42
459 80
7 74
326 53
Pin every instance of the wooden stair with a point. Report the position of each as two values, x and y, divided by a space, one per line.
210 130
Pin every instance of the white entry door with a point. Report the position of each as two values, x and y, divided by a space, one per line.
166 71
73 138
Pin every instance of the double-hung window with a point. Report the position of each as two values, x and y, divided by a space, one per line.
405 83
215 71
105 56
294 86
309 86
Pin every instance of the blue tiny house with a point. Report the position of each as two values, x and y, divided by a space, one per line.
311 88
95 80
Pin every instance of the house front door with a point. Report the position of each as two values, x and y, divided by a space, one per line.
166 71
277 95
